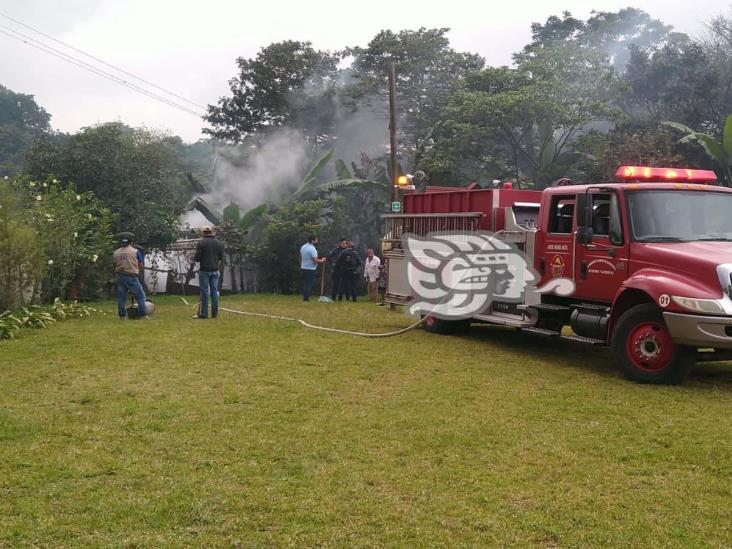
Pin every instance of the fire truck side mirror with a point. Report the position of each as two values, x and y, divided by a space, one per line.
584 235
584 218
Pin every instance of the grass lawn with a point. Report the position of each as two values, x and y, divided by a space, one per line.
251 432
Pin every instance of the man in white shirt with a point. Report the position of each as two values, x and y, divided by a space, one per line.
371 273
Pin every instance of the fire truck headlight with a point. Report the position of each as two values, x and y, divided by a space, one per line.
710 306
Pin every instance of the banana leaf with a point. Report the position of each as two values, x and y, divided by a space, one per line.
252 216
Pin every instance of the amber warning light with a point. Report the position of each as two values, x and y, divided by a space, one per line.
641 173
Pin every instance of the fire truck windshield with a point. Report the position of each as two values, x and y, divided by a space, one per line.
680 216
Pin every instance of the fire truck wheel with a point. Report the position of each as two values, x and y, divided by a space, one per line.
435 325
642 345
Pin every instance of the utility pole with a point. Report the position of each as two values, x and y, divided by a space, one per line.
393 132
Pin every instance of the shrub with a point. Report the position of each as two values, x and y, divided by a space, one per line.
74 231
9 325
21 257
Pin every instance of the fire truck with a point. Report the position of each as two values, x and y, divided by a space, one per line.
650 256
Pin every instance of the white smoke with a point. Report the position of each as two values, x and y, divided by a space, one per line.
249 175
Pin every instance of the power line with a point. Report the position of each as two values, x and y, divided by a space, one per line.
103 62
86 66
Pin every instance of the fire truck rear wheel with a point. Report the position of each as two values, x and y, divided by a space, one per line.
642 345
436 325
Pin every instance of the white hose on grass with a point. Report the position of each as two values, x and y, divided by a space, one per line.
322 328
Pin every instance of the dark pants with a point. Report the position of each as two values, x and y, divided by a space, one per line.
347 286
208 282
129 283
308 279
335 283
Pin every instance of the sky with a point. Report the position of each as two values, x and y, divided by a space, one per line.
190 47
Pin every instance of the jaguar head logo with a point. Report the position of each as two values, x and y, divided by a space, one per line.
458 275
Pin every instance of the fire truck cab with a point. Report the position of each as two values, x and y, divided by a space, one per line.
650 256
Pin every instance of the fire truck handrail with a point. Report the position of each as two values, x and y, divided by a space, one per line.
459 214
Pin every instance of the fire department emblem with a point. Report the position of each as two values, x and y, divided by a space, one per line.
458 275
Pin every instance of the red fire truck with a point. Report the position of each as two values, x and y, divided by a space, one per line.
650 257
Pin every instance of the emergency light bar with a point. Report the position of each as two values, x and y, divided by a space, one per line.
637 173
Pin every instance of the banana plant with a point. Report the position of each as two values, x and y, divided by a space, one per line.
719 151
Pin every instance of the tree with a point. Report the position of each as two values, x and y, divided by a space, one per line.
677 82
600 154
609 33
428 71
522 122
132 171
21 122
719 151
286 83
277 252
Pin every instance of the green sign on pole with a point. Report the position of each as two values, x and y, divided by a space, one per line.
396 207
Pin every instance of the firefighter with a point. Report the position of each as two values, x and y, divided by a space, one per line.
335 275
348 266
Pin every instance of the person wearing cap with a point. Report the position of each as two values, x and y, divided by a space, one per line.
209 255
128 262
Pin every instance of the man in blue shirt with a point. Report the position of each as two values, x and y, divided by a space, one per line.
308 264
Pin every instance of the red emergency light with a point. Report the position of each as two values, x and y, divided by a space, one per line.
644 173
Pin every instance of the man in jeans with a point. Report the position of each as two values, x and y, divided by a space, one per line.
209 255
128 262
308 265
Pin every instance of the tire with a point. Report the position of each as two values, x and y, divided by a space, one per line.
642 345
436 325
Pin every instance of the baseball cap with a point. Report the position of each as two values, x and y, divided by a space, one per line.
126 238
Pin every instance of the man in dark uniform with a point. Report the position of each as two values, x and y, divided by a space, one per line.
347 267
354 277
335 275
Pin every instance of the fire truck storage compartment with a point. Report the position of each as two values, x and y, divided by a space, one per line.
491 202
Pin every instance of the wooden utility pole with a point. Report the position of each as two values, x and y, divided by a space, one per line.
393 132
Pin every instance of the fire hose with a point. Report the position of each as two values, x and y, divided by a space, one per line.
314 327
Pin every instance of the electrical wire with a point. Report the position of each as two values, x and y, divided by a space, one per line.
98 60
91 68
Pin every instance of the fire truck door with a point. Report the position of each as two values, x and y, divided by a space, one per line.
602 266
556 259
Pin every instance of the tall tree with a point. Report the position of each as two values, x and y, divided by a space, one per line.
609 33
21 122
287 82
428 71
522 122
132 171
676 82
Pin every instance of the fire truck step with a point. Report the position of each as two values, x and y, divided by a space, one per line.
583 339
591 308
541 331
546 307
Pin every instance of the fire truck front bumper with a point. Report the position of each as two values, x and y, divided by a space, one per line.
700 331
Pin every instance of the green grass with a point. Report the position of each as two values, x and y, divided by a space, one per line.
251 432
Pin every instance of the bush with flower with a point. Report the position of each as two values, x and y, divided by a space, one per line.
74 236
